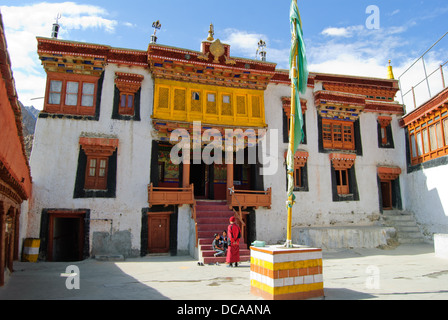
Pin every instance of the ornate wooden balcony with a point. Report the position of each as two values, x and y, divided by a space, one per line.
249 198
170 196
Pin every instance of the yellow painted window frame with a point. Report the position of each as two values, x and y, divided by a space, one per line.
247 119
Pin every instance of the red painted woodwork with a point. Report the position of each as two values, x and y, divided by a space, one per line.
159 232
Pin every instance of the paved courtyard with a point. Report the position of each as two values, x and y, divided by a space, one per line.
406 272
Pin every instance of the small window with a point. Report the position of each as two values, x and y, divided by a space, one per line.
71 93
55 92
342 181
298 177
126 104
195 96
88 91
96 173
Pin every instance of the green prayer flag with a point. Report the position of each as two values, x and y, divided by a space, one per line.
299 79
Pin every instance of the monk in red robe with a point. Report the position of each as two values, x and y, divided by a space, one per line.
233 251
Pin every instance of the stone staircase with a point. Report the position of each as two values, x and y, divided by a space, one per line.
213 217
405 224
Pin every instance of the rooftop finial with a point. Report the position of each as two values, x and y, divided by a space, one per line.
390 73
211 33
156 25
261 50
55 30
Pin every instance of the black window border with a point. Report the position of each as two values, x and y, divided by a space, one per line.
110 192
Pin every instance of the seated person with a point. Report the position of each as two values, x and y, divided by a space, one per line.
217 246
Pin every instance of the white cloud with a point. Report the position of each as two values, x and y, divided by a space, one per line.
342 31
245 44
23 23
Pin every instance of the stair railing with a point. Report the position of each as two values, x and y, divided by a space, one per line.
238 215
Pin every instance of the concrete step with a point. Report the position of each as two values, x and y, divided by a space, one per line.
405 224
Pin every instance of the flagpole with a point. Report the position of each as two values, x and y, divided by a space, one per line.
291 148
290 202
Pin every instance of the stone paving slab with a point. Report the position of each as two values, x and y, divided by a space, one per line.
404 273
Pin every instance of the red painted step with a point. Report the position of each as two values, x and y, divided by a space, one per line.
213 217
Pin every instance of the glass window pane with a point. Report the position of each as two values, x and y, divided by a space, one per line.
439 135
71 99
87 101
211 97
425 140
55 86
226 99
88 88
54 98
413 147
445 130
102 163
419 144
130 101
123 101
432 137
72 87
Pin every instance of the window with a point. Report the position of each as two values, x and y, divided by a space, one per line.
428 137
286 105
55 92
211 103
126 103
300 179
385 139
97 165
343 177
338 134
196 103
72 94
226 108
342 181
96 173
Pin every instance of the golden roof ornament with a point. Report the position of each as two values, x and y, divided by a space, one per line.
217 50
390 73
211 33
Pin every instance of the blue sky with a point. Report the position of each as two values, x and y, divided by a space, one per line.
336 35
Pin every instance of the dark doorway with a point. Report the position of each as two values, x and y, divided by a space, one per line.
199 177
386 194
66 237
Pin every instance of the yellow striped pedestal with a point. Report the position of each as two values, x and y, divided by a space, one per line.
279 273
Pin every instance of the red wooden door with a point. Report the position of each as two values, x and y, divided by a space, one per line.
159 233
386 193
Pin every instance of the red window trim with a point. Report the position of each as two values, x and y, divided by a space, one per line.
99 149
341 163
420 137
61 107
128 84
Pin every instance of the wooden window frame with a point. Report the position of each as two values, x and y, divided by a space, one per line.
342 181
128 108
62 106
334 139
97 181
97 149
341 164
422 133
